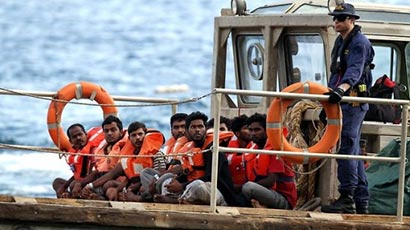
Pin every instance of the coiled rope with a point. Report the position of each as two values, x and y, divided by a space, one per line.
311 134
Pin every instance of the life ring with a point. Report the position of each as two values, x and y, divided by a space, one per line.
76 90
275 130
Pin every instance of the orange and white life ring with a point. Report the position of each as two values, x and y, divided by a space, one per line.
274 120
77 90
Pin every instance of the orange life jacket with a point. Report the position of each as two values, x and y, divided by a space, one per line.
169 145
236 163
151 144
95 135
176 148
81 165
179 143
256 164
193 164
104 164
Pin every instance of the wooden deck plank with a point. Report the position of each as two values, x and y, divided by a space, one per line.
19 199
171 216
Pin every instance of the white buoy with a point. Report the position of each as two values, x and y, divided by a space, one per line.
172 88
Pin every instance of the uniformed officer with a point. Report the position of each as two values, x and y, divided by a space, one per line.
351 64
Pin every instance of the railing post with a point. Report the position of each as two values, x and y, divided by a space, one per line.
216 101
174 108
403 159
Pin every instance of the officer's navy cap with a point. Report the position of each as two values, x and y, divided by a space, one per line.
345 9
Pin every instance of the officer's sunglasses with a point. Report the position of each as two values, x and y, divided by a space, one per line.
340 18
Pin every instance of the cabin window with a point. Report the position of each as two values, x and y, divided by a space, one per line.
407 56
385 60
385 17
276 9
230 81
310 9
305 56
250 54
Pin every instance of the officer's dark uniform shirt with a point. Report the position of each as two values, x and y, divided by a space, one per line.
360 53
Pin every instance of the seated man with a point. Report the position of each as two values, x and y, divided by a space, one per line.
114 141
224 124
141 142
80 165
236 161
271 180
198 164
177 130
150 176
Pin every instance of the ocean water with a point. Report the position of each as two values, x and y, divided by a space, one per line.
128 47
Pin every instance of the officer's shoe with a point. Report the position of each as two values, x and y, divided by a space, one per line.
362 209
344 204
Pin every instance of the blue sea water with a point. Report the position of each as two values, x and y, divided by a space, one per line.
128 47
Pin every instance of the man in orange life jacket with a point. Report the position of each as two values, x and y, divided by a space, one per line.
81 166
224 124
151 178
114 140
177 123
236 161
271 180
200 168
141 142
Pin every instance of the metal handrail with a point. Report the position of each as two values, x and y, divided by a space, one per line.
217 101
50 94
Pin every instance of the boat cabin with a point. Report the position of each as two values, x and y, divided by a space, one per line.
276 45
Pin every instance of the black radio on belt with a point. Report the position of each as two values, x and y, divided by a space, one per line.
362 90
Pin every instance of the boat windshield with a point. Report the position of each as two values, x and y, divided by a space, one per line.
250 50
393 17
303 64
276 9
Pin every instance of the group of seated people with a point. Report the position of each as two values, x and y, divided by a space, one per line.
137 164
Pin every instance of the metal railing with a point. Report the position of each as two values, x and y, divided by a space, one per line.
216 103
50 95
217 100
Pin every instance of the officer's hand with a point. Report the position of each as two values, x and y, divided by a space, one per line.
335 96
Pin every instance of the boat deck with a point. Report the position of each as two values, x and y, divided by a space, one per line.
49 213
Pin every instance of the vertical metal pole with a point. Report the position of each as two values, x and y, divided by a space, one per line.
174 108
402 169
216 102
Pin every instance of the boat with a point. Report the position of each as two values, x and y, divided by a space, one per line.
262 51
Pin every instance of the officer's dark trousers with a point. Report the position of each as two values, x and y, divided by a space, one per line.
351 173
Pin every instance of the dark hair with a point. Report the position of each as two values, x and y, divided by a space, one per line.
74 125
222 120
136 125
238 122
195 116
178 117
257 117
110 119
